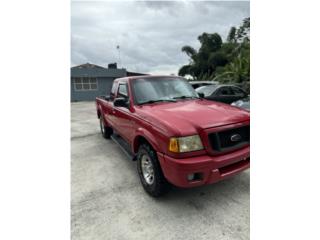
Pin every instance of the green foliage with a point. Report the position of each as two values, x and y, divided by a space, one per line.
226 62
232 35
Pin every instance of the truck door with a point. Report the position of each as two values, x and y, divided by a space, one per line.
123 123
107 106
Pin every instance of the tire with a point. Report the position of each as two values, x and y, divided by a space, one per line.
148 165
105 131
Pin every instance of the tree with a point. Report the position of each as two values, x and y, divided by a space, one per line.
237 71
190 51
204 61
223 61
232 35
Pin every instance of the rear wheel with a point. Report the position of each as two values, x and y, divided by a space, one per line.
150 173
105 131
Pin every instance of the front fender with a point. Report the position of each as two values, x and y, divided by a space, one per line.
144 133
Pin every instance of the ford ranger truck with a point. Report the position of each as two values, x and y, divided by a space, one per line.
175 136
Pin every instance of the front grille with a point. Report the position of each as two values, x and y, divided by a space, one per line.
230 139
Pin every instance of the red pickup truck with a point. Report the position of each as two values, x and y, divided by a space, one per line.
175 136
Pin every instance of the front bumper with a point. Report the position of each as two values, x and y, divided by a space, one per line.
208 169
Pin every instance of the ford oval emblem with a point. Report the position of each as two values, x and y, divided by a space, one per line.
235 137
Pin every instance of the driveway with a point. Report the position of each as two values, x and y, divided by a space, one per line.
108 202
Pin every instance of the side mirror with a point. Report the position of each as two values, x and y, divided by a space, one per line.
201 95
120 102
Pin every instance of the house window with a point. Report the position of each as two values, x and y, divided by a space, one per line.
85 83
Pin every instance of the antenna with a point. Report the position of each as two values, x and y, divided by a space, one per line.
118 47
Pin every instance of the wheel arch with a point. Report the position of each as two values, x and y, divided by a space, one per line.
144 137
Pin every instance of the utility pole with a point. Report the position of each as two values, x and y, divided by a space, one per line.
118 47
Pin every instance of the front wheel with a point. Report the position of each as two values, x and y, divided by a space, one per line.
150 173
105 131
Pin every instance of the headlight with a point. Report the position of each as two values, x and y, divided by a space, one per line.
185 144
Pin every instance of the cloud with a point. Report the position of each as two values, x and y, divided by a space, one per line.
150 34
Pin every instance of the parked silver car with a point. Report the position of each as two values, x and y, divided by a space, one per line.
222 93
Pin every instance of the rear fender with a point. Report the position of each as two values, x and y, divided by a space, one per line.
99 108
101 113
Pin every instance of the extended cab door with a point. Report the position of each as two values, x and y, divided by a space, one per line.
122 115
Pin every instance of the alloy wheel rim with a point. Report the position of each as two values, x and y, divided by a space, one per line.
147 169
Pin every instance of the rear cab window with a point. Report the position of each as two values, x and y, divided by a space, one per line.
113 91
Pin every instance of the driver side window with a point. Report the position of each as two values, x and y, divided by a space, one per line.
122 96
122 91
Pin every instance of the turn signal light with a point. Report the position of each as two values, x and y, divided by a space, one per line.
173 145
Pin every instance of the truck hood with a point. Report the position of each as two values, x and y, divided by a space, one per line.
190 116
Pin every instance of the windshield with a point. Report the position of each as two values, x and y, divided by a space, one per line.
147 90
207 90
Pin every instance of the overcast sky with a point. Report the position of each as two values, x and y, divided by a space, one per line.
150 34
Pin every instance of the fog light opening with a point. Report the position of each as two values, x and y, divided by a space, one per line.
194 177
190 177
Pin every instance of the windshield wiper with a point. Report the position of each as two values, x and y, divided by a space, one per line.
186 97
158 100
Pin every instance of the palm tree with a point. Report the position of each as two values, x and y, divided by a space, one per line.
224 61
238 71
190 51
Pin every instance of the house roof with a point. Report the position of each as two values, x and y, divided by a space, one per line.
93 70
135 74
87 66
